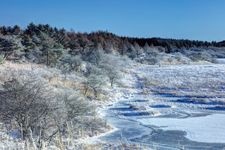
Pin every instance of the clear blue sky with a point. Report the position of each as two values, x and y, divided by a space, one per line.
192 19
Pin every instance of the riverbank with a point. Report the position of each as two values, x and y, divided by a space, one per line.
139 117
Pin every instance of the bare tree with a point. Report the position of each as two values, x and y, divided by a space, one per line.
112 72
110 67
71 108
77 106
113 76
71 63
38 113
27 103
94 83
94 56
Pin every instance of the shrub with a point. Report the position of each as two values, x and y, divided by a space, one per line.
71 63
25 102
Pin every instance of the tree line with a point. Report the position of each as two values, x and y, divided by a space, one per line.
35 35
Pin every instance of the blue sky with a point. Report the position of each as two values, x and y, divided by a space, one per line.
189 19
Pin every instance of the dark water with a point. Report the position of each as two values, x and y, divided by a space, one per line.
160 106
201 102
218 108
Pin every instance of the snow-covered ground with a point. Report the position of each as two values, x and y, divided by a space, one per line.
163 107
171 107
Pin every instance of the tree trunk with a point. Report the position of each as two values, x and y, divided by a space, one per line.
47 57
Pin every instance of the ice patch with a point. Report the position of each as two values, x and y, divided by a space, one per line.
209 129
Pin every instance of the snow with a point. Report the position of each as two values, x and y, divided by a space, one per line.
220 60
208 129
198 83
193 80
199 86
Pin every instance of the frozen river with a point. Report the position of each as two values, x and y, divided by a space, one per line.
176 114
208 128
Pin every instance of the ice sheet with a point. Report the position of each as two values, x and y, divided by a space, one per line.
210 129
